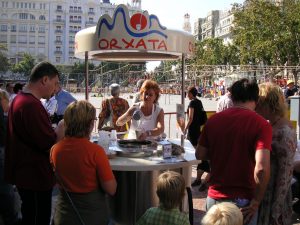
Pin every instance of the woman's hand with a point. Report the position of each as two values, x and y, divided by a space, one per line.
142 136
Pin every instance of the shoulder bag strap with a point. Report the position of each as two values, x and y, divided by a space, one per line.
66 192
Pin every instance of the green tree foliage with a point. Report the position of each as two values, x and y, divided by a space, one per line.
4 63
267 32
25 65
213 51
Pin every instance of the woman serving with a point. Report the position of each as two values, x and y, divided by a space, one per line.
147 118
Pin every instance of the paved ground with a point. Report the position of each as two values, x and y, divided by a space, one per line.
199 204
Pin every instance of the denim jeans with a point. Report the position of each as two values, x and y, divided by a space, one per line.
210 202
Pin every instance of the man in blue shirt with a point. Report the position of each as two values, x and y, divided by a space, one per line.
63 98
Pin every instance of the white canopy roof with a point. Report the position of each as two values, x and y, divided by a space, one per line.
140 37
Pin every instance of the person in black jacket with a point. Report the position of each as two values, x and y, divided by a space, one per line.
196 119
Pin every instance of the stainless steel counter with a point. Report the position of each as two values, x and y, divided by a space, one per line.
136 179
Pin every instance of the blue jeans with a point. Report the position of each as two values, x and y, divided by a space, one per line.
210 202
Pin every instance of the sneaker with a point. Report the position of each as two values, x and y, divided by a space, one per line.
202 187
196 183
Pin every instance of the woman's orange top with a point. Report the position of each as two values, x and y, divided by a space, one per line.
80 164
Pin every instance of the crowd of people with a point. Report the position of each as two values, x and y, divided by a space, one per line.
247 150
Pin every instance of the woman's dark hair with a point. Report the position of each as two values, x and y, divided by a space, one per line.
193 91
18 87
43 69
244 90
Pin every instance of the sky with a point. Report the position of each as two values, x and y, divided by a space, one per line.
171 12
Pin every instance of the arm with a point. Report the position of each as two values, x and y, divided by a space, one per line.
60 130
126 116
261 178
105 175
109 187
102 114
190 119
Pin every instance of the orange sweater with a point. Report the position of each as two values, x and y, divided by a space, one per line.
80 164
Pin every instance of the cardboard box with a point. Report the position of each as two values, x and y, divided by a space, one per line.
166 149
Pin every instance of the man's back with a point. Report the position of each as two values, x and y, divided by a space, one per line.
232 136
29 138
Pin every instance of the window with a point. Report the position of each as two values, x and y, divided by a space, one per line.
41 40
23 16
22 39
32 28
41 50
42 17
58 38
13 39
13 49
42 29
31 39
13 28
32 17
58 48
91 19
57 59
32 50
3 28
33 5
3 38
23 28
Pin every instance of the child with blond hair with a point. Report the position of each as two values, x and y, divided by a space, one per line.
225 213
170 191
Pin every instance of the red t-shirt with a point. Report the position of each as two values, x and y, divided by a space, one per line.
232 137
80 164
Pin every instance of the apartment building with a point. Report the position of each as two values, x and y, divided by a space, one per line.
224 26
46 29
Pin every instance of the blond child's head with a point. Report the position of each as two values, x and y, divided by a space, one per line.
170 189
225 213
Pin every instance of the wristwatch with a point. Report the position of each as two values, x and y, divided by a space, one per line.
148 133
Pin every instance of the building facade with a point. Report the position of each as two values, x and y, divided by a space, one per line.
223 29
46 29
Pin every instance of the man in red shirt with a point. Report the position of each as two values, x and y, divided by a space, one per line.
237 141
29 139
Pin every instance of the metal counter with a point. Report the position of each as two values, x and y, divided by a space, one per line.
136 180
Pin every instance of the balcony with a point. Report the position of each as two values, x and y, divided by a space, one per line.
73 31
58 52
71 52
58 42
90 23
59 10
58 21
71 42
42 31
58 31
75 21
91 13
75 11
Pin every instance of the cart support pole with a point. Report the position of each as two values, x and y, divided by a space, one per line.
86 74
182 91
